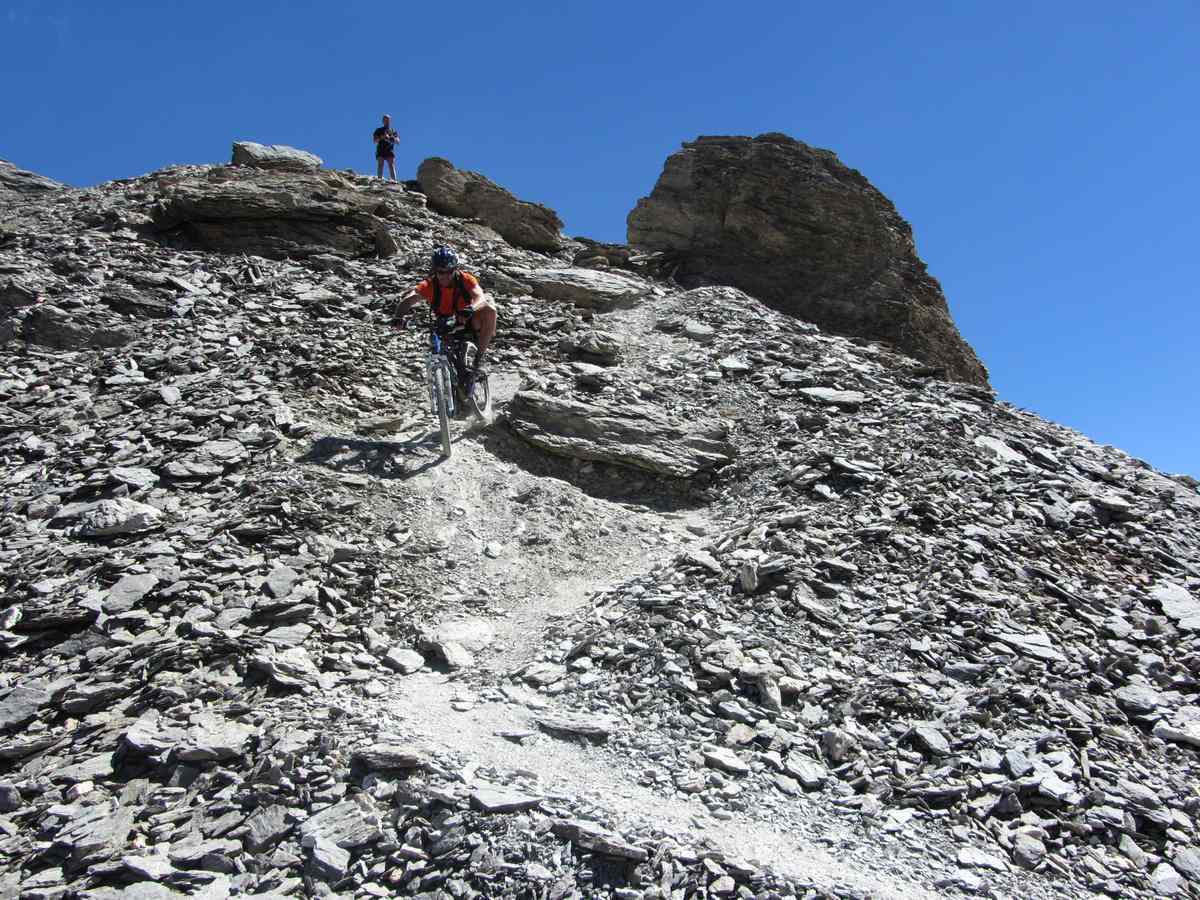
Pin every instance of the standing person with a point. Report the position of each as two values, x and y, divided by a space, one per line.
385 138
449 291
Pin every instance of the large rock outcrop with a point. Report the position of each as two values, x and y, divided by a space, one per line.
585 288
639 436
274 214
793 226
456 192
18 184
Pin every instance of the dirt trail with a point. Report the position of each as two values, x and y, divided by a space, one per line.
521 549
444 714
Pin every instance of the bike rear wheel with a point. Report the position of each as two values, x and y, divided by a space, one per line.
480 395
441 399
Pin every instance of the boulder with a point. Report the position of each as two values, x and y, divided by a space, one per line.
794 227
469 195
600 347
640 436
277 215
274 156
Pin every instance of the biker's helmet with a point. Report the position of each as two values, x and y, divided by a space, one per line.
445 258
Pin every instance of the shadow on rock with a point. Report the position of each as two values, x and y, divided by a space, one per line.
379 459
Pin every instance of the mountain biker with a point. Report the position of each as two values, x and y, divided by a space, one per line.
451 291
385 138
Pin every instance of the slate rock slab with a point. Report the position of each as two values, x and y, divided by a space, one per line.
640 436
127 592
274 156
349 824
380 757
212 737
598 839
499 800
59 329
95 832
1178 604
266 826
108 518
593 727
22 704
847 400
1182 727
1036 645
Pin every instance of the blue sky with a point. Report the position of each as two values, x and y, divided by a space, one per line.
1045 154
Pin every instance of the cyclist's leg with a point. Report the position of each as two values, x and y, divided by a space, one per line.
483 323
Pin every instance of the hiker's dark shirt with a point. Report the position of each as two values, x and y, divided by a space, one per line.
385 141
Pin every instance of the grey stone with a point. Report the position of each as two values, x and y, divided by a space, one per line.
10 797
973 857
1028 851
1187 861
1181 727
17 183
330 862
127 592
22 704
403 660
810 773
598 839
212 737
848 400
1165 881
281 580
266 827
116 517
1178 604
349 824
725 759
389 756
274 156
496 800
592 727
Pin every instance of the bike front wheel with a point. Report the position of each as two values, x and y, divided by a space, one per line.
440 376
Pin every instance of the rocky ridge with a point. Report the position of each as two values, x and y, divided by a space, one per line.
946 640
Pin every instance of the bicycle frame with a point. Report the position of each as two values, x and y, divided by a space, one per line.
447 346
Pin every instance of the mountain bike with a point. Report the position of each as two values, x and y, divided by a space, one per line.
454 382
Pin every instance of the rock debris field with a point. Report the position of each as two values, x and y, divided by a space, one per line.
716 605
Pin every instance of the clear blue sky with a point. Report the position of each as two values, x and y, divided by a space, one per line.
1045 153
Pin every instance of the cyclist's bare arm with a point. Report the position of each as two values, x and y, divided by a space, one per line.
407 302
477 297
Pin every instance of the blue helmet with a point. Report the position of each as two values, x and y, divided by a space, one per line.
445 258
